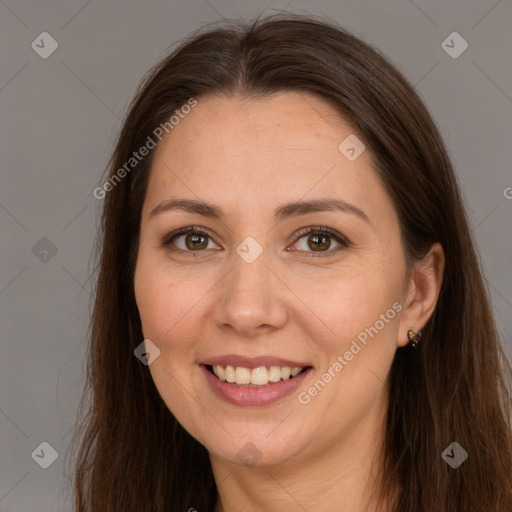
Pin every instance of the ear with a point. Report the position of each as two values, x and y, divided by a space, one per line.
422 293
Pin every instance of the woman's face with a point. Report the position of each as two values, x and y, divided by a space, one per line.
256 288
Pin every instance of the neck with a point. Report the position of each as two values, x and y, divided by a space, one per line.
341 476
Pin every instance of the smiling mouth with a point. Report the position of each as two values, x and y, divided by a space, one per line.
255 377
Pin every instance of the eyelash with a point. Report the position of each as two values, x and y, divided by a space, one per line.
343 241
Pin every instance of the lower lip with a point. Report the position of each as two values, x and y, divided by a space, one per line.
239 395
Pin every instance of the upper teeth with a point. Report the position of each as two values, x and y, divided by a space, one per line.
258 376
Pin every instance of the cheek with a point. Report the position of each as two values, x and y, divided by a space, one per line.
174 311
169 309
357 335
344 305
164 303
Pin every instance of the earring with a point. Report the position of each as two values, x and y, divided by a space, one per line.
414 337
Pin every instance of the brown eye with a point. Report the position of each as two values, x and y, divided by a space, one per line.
189 240
196 242
320 240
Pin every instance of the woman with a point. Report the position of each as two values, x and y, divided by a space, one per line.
290 313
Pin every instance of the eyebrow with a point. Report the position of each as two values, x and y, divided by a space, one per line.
281 213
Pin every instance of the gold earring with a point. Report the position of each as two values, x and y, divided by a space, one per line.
414 337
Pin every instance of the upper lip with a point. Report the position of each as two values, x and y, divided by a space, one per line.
252 362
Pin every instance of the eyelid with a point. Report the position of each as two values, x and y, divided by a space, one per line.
169 238
338 237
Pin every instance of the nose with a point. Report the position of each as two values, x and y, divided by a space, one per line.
250 300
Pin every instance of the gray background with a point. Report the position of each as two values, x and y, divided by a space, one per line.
59 117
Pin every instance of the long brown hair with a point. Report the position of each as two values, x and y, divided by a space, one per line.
133 455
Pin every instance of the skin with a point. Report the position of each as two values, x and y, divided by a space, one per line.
248 157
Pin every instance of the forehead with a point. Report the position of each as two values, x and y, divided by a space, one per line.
259 151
